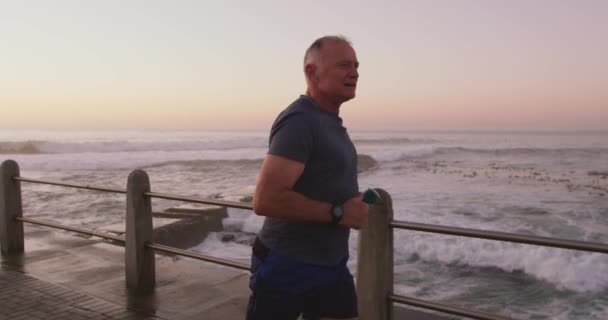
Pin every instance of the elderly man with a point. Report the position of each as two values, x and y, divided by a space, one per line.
308 192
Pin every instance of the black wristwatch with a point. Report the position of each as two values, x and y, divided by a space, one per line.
337 211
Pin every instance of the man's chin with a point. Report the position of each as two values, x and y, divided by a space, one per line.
348 96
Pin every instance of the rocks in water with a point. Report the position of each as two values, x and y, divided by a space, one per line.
199 209
471 175
245 238
196 223
602 174
246 199
226 237
365 163
28 147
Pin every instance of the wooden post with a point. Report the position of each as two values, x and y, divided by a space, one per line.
11 230
139 260
375 262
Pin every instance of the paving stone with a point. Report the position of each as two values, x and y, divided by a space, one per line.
24 297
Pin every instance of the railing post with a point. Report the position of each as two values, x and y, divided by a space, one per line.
375 262
139 260
11 230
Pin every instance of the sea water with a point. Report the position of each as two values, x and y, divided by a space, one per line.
551 184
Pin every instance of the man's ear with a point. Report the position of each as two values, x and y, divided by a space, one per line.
310 71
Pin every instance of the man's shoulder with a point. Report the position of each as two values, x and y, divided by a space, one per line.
302 109
302 105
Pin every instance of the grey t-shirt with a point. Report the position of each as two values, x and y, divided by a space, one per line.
308 134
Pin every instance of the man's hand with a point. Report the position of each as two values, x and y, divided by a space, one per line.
355 213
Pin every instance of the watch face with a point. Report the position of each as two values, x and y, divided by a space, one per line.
337 211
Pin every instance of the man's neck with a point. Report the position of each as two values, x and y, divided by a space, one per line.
325 102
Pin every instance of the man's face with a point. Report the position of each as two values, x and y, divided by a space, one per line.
336 73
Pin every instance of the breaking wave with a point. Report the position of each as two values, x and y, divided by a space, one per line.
581 272
24 147
53 147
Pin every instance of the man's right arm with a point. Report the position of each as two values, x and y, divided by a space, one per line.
274 197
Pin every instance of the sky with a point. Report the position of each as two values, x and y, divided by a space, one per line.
233 65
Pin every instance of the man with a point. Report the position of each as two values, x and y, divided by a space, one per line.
309 193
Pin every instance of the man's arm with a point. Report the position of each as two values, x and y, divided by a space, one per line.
274 197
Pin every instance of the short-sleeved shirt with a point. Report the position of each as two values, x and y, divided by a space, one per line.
306 133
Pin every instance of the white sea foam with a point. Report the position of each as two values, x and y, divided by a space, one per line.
396 153
126 160
128 146
564 268
214 246
243 220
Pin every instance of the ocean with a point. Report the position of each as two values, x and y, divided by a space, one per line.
552 184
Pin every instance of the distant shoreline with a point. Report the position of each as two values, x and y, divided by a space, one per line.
351 129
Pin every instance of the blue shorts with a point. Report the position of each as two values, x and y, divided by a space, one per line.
283 288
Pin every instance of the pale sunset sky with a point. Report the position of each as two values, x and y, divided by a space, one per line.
233 65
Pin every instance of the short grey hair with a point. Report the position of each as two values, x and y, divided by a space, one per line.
315 48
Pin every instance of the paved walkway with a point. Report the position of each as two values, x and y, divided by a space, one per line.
25 297
61 276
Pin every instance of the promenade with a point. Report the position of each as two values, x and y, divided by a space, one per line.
68 276
65 276
27 297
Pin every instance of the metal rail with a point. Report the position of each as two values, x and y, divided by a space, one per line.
466 232
229 204
69 185
73 229
445 308
189 254
158 247
503 236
